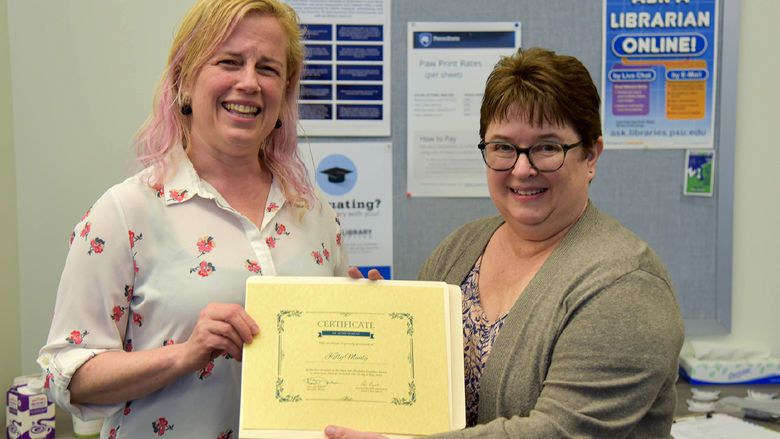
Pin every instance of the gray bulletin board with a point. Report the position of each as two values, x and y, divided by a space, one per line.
643 189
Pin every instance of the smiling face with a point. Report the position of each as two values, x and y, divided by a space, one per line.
237 94
539 205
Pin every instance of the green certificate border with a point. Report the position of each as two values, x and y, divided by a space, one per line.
407 399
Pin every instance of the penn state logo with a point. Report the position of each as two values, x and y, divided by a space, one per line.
425 39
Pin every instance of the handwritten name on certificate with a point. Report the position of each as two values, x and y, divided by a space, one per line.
382 356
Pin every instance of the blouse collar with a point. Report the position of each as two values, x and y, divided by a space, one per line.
186 184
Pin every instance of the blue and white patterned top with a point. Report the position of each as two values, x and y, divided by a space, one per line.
479 334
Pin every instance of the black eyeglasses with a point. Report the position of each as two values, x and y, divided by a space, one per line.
544 157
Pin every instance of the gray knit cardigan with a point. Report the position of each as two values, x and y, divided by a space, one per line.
589 349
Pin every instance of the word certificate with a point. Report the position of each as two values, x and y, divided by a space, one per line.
383 356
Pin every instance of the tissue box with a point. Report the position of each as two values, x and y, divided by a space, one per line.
753 371
29 414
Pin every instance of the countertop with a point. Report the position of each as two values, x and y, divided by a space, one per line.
64 424
684 393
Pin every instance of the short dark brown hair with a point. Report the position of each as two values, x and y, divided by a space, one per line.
543 87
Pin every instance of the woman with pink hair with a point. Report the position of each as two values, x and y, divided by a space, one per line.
155 277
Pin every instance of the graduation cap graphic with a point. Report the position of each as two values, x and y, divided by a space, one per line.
336 174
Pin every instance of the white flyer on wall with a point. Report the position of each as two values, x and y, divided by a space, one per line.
357 180
345 86
448 64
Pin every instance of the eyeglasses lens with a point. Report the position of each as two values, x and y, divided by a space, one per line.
544 156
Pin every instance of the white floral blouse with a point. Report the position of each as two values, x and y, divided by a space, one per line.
479 334
143 262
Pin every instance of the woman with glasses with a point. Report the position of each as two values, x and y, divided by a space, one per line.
570 322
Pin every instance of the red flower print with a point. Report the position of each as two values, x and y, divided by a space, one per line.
281 229
127 408
227 355
177 195
49 377
168 342
134 238
72 236
206 371
129 345
129 292
160 426
135 265
138 319
204 269
86 214
317 257
253 267
96 246
85 230
205 244
227 434
112 433
338 239
270 242
76 337
117 313
271 207
326 253
338 221
159 190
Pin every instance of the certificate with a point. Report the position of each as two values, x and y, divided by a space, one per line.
384 356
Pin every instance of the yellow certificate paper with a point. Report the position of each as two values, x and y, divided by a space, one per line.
384 356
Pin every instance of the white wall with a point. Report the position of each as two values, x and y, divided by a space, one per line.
10 364
756 281
82 80
83 75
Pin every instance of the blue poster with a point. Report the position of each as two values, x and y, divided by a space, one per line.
345 84
659 73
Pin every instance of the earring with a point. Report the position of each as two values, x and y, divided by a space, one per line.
186 109
278 123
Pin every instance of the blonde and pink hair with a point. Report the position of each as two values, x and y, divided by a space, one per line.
202 31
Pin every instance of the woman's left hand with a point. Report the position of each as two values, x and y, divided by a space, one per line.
334 432
373 274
